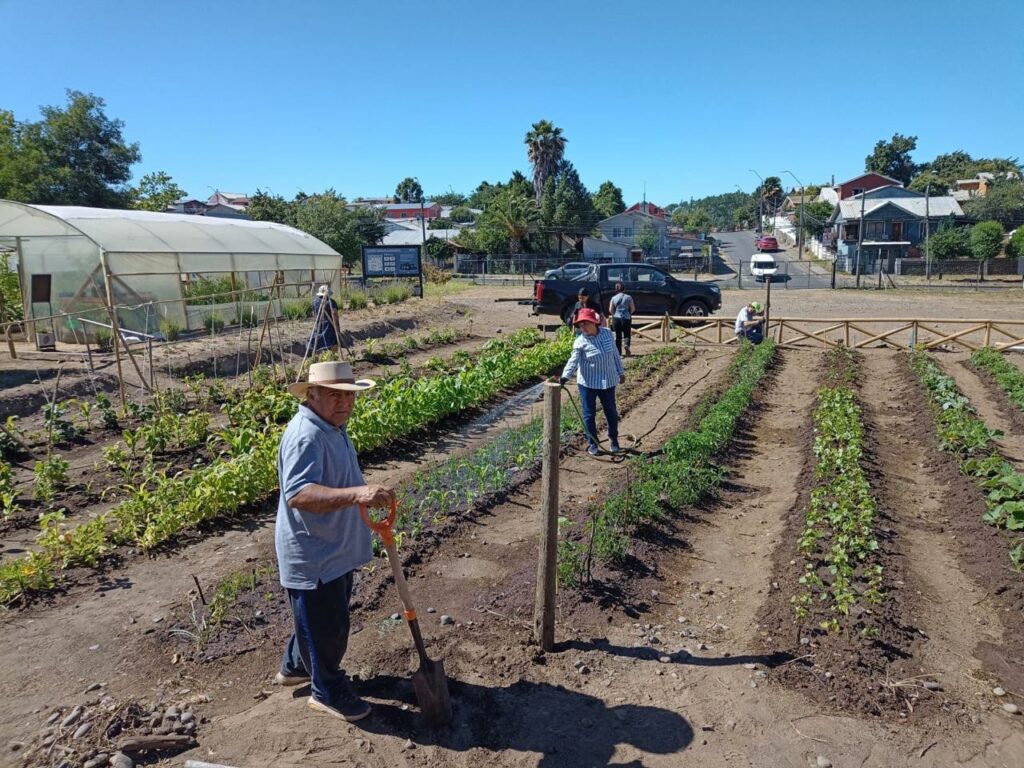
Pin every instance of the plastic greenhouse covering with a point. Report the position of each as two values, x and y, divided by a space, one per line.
150 259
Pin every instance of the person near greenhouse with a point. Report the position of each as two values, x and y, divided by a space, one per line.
319 536
621 309
325 322
583 300
598 369
750 323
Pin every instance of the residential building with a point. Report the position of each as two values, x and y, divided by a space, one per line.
412 211
236 200
864 183
624 227
196 207
965 189
894 221
649 208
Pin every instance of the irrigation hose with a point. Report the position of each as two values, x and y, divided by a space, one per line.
635 440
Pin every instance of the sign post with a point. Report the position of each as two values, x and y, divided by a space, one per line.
393 261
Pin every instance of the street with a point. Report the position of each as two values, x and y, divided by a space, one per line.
737 247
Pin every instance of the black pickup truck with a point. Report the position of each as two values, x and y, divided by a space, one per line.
654 291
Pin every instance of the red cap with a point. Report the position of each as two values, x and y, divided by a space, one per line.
587 315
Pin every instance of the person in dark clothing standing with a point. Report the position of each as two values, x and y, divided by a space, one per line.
621 309
583 301
325 316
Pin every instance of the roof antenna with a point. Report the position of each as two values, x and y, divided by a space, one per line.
644 206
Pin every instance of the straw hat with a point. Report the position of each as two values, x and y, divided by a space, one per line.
333 375
323 290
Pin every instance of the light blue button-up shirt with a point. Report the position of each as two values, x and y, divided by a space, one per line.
317 547
596 360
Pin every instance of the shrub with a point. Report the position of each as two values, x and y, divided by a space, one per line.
297 310
1015 247
170 329
357 300
393 294
436 275
104 339
213 322
986 240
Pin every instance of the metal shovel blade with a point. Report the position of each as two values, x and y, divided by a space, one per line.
431 688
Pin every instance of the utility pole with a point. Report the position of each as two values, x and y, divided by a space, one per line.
927 228
423 220
860 236
800 236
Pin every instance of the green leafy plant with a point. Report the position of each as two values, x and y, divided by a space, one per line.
107 413
357 300
170 329
58 428
104 339
298 310
8 493
51 476
1009 377
213 322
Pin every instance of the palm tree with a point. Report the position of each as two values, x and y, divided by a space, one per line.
545 146
514 212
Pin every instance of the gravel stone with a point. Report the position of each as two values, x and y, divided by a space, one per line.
56 716
1013 709
94 687
431 610
72 718
187 717
446 620
172 713
998 691
396 616
101 759
665 659
931 685
83 729
410 744
823 762
121 760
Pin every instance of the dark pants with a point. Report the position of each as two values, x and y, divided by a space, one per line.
320 638
588 402
623 327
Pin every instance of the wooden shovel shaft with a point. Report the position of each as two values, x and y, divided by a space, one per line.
406 598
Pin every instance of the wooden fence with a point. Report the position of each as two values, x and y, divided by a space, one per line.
857 332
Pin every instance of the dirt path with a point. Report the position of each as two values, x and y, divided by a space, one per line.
950 610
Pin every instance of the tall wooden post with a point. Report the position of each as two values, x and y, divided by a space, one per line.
666 334
115 329
547 560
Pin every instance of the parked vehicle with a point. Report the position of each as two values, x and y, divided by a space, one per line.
654 291
569 271
767 243
763 267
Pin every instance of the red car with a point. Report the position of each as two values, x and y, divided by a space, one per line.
767 243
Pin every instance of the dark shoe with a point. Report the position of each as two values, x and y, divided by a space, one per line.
615 448
350 711
628 353
594 450
282 679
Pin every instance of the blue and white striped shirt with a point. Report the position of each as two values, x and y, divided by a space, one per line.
595 361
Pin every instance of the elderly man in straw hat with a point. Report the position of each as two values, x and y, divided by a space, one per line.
320 539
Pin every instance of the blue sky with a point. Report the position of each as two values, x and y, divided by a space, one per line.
684 97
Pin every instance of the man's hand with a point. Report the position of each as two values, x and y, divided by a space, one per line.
374 496
561 381
622 379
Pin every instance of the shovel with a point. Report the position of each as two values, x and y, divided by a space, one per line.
429 682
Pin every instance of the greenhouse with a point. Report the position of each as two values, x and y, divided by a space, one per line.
155 268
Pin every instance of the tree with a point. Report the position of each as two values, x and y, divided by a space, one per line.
437 249
771 191
449 198
368 224
264 206
483 194
935 184
327 218
608 200
156 192
545 146
949 242
986 240
648 238
960 165
574 208
460 214
698 220
892 158
1015 248
75 155
409 190
815 216
1004 203
509 216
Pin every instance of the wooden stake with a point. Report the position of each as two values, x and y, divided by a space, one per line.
114 329
547 560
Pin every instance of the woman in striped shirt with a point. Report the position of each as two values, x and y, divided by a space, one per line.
598 369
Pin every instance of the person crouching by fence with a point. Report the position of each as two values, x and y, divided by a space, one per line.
750 323
598 369
325 323
621 309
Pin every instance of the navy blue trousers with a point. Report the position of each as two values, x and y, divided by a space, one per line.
320 640
588 403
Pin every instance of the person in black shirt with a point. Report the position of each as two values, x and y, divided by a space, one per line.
583 300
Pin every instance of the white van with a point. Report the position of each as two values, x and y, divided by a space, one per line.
763 266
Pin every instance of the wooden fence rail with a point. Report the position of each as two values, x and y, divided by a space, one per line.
856 332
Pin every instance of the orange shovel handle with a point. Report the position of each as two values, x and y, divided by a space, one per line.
383 528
